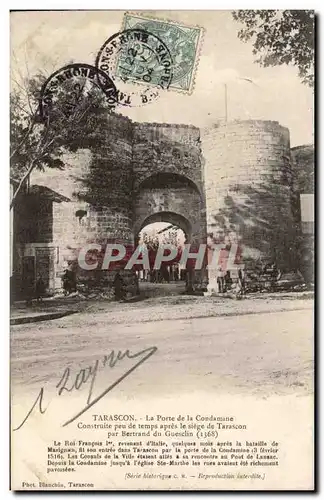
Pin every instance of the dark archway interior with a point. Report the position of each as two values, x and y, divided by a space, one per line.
166 179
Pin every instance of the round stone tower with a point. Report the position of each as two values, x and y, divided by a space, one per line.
248 184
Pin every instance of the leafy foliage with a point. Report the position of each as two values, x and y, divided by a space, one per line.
166 236
281 37
36 141
151 241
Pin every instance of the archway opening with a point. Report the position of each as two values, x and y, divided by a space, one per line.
156 232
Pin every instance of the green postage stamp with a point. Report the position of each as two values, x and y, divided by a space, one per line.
183 43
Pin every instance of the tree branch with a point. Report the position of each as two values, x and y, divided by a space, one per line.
22 181
30 128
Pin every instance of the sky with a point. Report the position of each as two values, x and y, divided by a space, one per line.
49 40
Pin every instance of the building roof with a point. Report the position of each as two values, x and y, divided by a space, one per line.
48 193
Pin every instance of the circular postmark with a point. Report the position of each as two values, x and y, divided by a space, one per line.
140 64
68 87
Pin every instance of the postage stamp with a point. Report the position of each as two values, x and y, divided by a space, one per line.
182 41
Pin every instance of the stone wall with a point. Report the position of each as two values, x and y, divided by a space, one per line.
166 148
98 184
303 165
174 197
304 183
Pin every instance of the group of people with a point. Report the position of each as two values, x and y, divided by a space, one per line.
163 275
69 284
225 281
37 289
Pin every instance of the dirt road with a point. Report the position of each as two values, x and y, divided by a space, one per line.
258 354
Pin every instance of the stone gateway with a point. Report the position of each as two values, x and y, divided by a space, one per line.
233 183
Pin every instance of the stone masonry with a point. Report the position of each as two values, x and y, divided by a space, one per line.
249 191
232 183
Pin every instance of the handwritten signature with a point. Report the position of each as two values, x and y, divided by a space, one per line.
89 374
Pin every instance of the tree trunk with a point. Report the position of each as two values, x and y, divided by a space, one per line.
21 183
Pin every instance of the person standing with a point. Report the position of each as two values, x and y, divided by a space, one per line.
119 287
220 280
241 281
66 281
228 282
40 289
28 289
